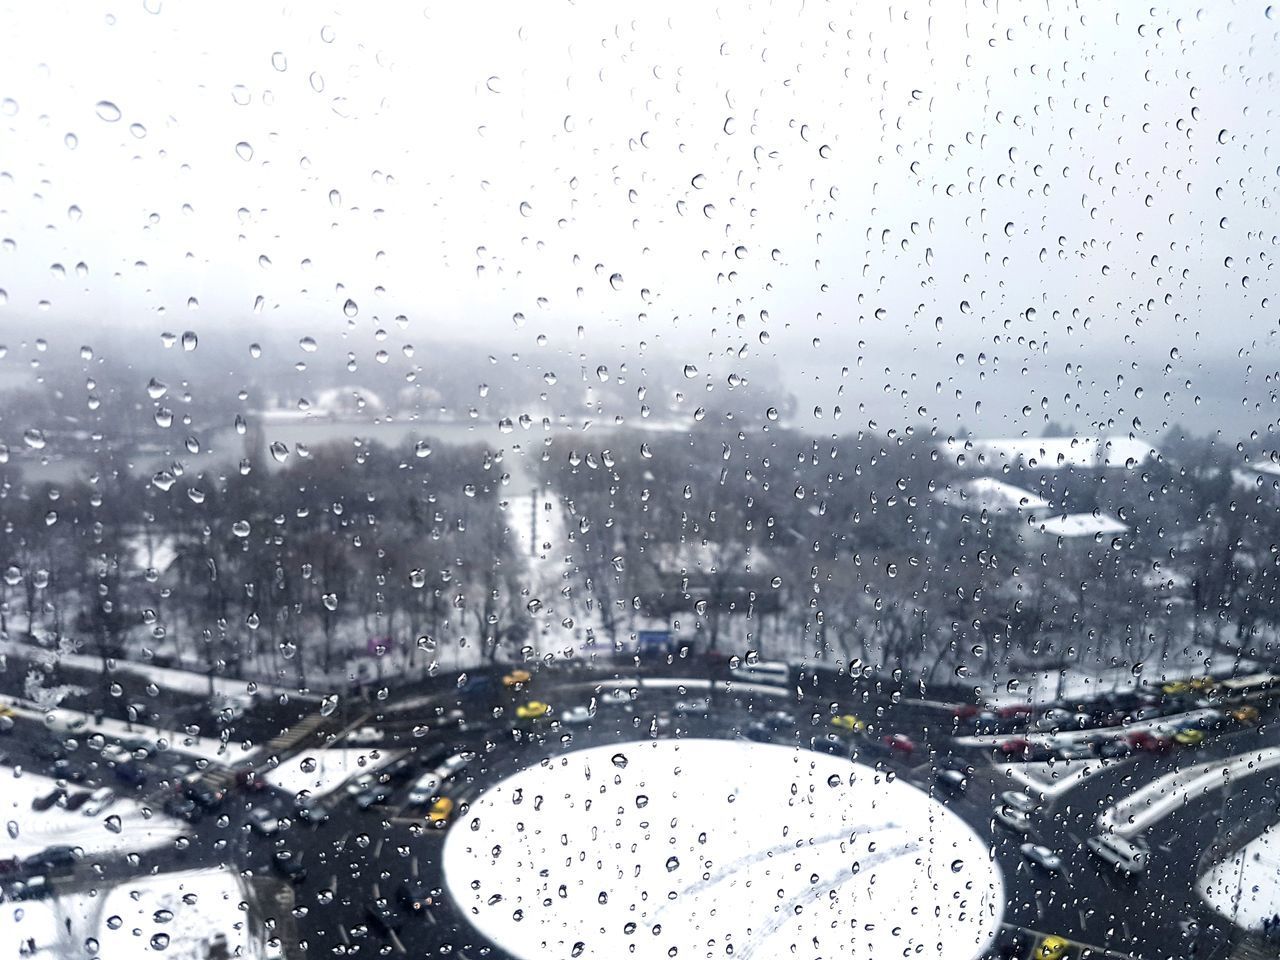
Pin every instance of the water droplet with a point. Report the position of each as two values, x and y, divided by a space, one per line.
244 151
350 308
113 823
328 704
241 528
106 110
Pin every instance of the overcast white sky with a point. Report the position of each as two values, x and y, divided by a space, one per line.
861 171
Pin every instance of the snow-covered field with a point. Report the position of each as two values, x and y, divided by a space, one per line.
670 846
178 915
1246 888
29 831
323 771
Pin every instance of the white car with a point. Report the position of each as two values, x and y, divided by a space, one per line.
113 753
428 785
1016 820
425 789
1124 855
263 821
690 706
576 716
361 783
365 736
615 698
1018 800
98 801
1042 857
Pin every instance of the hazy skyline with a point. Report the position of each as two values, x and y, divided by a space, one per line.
906 186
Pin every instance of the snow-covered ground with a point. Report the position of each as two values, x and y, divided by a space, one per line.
1246 887
178 915
761 850
323 771
121 828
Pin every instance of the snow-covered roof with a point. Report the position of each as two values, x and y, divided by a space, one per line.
994 496
1081 525
1050 453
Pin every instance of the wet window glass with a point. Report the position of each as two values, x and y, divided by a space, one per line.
531 482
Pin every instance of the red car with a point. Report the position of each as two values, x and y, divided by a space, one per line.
899 742
1013 746
1014 712
1150 742
966 711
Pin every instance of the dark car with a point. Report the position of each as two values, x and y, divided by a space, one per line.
130 773
289 865
953 781
49 750
401 770
203 794
758 731
830 743
140 747
372 796
383 916
47 800
184 808
68 769
415 896
78 799
56 859
32 888
312 813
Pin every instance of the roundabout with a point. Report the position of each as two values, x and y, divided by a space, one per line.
714 848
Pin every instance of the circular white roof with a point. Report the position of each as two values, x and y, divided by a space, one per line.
717 848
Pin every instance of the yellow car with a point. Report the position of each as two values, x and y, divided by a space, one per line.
1052 948
1189 738
1204 684
6 711
848 722
1246 715
440 811
532 710
1176 686
517 678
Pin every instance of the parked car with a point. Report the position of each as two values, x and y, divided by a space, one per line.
952 781
184 808
311 812
131 774
374 795
1017 800
46 800
1149 741
576 716
289 865
1042 857
77 800
415 896
263 822
899 743
759 731
365 737
1017 820
830 743
98 801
